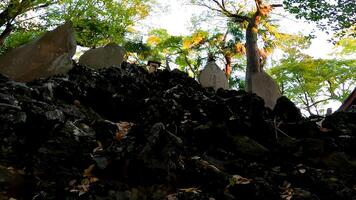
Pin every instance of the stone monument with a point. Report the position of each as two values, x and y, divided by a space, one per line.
111 55
264 86
213 76
48 55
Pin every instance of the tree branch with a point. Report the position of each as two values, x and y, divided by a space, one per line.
5 33
40 6
222 9
320 101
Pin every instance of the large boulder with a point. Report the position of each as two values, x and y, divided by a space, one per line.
111 55
264 86
213 76
48 55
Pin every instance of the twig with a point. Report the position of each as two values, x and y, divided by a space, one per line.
277 129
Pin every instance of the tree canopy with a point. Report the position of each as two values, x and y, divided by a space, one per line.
312 82
251 16
96 22
339 16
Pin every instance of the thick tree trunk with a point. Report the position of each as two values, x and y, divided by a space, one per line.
252 53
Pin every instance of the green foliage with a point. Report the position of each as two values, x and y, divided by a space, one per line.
96 22
190 52
182 50
18 38
313 82
236 83
338 15
235 17
138 51
347 46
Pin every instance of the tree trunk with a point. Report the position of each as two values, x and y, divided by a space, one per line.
252 53
228 67
5 33
6 17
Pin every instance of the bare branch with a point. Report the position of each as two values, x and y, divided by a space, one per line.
320 101
223 3
223 10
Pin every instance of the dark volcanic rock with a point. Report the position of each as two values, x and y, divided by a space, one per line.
121 133
286 110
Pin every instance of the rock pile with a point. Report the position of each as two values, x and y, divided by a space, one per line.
121 133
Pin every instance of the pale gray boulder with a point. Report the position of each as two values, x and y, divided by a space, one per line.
51 54
213 76
111 55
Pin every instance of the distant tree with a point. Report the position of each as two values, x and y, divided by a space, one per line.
339 16
98 22
346 47
184 51
249 18
311 82
191 51
137 51
227 46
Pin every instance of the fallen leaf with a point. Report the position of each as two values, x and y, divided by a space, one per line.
88 171
237 179
324 130
124 128
190 190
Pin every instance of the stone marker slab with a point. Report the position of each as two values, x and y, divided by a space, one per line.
213 76
264 86
48 55
111 55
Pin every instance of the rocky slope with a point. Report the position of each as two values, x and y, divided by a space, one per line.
121 133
